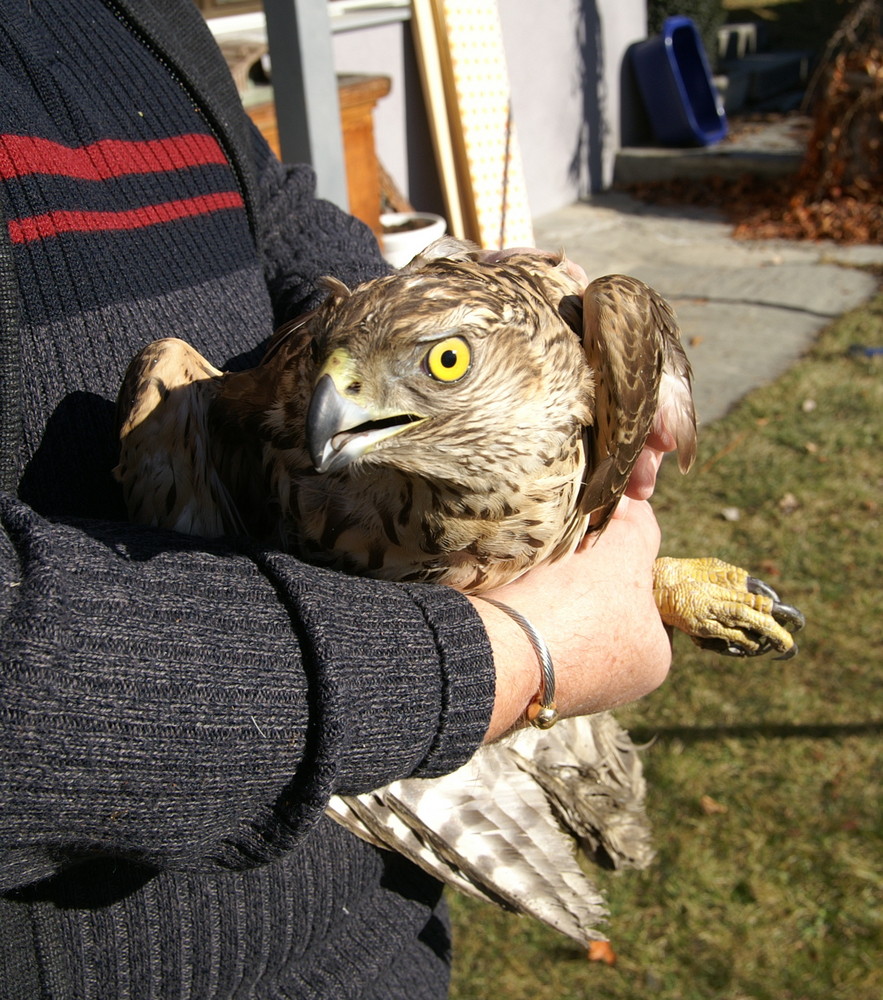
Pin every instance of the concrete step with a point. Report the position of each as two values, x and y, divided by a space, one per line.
768 149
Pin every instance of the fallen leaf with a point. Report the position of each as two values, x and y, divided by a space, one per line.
601 951
711 807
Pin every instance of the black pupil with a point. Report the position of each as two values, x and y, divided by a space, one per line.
449 358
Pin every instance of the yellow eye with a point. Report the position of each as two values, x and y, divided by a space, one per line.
449 359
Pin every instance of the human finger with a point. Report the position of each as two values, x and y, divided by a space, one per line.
642 481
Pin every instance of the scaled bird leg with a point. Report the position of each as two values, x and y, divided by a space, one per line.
724 609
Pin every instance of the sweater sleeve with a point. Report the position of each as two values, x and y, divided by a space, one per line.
191 706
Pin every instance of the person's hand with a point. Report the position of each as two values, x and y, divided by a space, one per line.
643 477
596 611
596 608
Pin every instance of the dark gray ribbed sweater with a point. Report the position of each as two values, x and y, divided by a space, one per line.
174 715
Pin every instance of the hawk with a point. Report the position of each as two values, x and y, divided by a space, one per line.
458 422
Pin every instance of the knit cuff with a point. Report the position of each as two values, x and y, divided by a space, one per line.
402 675
469 678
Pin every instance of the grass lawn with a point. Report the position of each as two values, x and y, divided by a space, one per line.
764 776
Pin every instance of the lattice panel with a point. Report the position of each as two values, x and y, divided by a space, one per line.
476 123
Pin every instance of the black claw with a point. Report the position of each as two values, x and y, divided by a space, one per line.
755 586
725 648
789 617
785 614
793 651
720 646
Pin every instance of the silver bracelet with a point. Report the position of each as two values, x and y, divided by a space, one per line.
541 712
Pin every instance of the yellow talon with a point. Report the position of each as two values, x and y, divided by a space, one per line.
723 607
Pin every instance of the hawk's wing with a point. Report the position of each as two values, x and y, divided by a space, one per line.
166 468
193 438
505 827
642 377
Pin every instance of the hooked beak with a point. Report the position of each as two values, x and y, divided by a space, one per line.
338 430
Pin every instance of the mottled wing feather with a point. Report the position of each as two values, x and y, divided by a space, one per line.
675 407
493 830
195 441
166 470
592 774
258 419
632 343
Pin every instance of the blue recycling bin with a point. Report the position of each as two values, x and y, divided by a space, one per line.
674 79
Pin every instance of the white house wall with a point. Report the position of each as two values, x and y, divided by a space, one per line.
568 118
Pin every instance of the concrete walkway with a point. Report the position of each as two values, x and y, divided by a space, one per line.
747 310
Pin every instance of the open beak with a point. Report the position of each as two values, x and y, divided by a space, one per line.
339 431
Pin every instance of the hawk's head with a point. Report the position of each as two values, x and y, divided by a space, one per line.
449 368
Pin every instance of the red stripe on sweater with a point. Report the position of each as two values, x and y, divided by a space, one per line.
21 155
38 227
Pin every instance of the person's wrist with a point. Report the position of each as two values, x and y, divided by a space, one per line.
515 665
542 712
